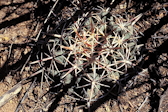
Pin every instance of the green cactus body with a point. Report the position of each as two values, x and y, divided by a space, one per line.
96 49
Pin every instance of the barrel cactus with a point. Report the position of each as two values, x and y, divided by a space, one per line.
99 47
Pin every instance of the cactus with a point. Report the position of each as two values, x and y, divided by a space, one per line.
98 47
